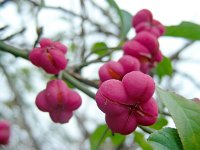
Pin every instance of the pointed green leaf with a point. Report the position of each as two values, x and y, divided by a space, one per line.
185 29
126 23
186 116
125 19
165 139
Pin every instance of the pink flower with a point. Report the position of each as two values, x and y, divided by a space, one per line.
145 48
58 100
128 103
50 56
116 70
143 21
4 132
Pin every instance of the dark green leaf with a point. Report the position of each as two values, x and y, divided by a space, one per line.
165 139
125 19
186 116
141 141
99 48
164 68
161 122
187 30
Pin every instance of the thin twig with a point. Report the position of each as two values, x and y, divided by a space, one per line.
100 28
146 129
176 55
91 83
78 85
104 48
83 29
13 35
106 13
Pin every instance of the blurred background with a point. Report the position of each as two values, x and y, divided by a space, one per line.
83 25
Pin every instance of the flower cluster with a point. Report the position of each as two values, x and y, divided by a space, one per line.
125 93
57 98
128 103
4 132
50 56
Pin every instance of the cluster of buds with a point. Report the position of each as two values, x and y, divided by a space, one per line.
4 132
125 93
57 98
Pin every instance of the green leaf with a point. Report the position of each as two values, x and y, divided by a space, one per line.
185 29
164 68
165 139
98 137
101 133
99 48
125 23
141 141
186 116
117 139
125 19
161 122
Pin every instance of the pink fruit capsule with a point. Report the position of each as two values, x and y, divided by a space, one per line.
4 132
58 100
50 56
128 103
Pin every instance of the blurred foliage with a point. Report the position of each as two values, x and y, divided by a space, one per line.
139 138
185 29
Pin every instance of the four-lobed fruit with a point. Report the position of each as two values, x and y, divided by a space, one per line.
58 100
128 103
50 56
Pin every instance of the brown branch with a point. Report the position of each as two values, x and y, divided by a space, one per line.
99 27
13 35
176 55
105 13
